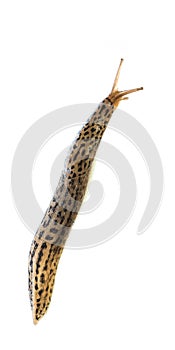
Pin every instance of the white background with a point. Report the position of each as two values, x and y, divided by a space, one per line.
119 295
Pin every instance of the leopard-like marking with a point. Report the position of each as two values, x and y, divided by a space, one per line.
54 229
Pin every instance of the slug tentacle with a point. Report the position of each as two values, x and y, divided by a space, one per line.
51 236
115 85
116 96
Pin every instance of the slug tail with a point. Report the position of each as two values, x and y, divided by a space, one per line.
43 262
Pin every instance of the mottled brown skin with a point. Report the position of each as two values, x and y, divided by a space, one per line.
54 229
43 261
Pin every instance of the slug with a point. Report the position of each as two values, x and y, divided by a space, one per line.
50 238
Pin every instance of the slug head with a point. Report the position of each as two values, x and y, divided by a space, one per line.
116 96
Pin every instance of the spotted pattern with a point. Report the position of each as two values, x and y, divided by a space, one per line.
54 229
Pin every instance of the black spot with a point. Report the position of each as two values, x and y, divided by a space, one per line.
75 156
49 238
109 100
40 291
56 204
37 268
34 249
40 254
44 245
36 286
42 280
107 110
53 230
46 222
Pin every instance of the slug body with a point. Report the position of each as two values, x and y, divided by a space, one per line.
54 229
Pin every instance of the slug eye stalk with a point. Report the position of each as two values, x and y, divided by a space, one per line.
116 96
